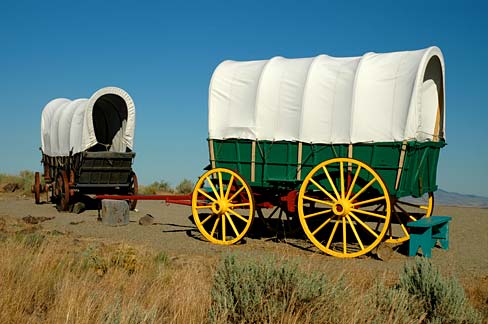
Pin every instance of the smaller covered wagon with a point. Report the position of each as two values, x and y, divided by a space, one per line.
87 147
347 146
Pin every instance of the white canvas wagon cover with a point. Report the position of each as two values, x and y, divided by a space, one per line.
106 118
373 98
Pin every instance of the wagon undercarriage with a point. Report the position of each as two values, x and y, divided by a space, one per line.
343 207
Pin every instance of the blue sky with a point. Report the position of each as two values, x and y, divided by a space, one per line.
163 54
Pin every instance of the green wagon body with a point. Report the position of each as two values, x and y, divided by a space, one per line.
276 163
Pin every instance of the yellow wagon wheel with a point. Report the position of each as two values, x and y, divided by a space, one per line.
338 207
406 210
222 206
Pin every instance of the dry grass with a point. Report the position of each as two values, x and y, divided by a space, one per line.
24 180
55 278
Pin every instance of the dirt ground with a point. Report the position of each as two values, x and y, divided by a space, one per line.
174 233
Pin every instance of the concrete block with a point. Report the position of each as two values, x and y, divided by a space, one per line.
115 212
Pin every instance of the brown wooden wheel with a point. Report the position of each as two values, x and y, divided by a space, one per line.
133 190
62 191
37 187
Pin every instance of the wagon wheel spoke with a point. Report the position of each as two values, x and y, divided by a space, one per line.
214 227
236 193
203 206
234 228
206 195
369 201
355 232
341 174
363 222
37 188
322 225
322 212
404 203
408 211
331 182
404 229
228 198
224 234
322 189
320 201
133 190
216 195
353 182
206 219
229 186
365 212
240 205
62 191
364 188
238 216
332 235
364 225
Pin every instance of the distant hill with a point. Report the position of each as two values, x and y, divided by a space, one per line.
446 198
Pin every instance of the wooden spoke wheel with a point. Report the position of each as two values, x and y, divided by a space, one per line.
338 207
133 190
222 206
37 187
61 191
404 210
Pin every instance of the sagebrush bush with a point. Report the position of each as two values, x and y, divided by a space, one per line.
156 187
441 299
387 305
422 295
185 186
270 291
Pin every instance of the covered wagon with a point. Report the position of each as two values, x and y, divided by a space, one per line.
347 146
87 146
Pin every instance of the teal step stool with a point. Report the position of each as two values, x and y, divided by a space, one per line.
425 233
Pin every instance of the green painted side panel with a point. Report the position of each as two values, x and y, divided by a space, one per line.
420 170
313 154
235 155
383 158
276 163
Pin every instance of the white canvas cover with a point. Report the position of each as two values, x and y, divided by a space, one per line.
106 118
373 98
46 118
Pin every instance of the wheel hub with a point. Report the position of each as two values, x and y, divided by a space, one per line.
342 207
220 207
